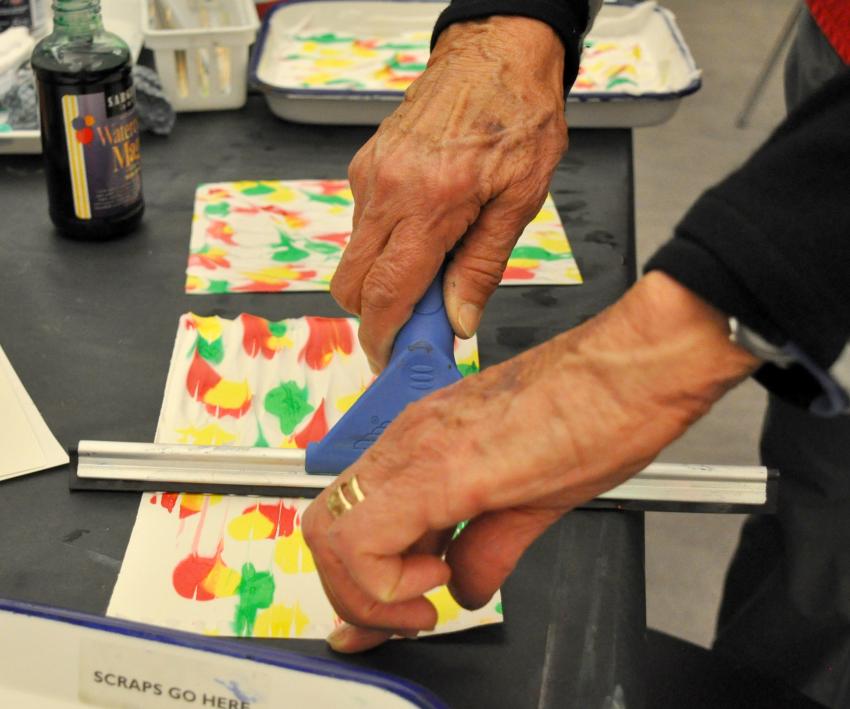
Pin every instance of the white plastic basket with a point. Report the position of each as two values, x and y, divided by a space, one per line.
202 53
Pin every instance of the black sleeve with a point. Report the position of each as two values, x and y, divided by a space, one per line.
568 18
770 244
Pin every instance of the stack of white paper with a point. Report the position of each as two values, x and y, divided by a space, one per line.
26 443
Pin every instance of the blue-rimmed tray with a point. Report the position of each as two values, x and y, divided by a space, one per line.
641 92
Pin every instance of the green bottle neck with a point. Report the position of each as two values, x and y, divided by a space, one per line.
79 19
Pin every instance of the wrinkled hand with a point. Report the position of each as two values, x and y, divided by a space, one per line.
466 158
512 449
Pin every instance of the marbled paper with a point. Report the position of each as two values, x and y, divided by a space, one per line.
619 65
274 235
333 60
237 565
322 59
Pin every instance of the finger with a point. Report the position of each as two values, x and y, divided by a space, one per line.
479 261
348 600
350 638
488 548
391 557
360 179
407 618
388 577
396 281
369 235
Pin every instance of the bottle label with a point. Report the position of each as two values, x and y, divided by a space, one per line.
102 136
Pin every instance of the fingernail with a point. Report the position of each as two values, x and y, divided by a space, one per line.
337 638
469 317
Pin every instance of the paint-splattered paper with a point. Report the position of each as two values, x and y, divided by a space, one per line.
333 60
619 65
323 59
274 235
235 565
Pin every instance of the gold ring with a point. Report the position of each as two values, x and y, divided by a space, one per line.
340 501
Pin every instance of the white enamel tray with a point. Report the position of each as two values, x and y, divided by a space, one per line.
653 26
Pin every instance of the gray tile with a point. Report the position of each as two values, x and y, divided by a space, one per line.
687 554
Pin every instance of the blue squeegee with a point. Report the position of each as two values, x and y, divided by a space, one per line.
422 361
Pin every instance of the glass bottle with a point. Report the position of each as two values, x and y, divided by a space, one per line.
89 128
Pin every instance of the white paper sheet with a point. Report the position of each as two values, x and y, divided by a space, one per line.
237 565
26 443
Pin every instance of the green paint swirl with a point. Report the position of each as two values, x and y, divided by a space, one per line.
326 38
211 351
256 592
348 83
217 209
617 80
328 198
403 46
395 63
219 286
287 251
320 247
288 402
537 254
258 189
261 441
279 328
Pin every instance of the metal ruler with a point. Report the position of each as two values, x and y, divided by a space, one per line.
110 465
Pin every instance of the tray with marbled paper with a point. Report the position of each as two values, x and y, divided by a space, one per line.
350 62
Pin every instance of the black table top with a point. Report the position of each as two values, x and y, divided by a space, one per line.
89 328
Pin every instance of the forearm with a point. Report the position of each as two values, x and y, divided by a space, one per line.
570 418
615 391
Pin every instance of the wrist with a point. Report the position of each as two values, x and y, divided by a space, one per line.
688 338
662 310
522 46
662 348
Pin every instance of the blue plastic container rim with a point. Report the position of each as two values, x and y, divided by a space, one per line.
412 692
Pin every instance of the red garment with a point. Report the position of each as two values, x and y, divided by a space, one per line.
833 17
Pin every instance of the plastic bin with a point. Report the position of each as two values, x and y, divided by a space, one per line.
201 50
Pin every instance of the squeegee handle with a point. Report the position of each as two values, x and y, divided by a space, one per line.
421 362
428 324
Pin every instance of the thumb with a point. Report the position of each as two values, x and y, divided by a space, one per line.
487 550
479 261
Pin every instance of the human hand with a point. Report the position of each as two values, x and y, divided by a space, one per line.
466 160
512 449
